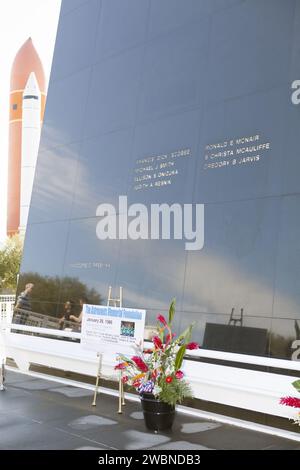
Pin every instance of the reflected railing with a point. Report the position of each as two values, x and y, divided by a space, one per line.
197 355
16 320
32 323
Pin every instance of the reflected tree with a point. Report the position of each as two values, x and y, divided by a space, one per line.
48 289
10 258
281 346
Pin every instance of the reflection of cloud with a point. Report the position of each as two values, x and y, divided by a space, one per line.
54 176
220 286
52 133
59 172
217 287
61 176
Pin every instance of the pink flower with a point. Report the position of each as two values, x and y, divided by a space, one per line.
140 363
179 374
162 320
121 366
290 401
169 379
124 379
157 342
192 345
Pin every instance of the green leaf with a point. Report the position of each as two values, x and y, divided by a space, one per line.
123 358
172 311
296 384
187 334
179 357
175 391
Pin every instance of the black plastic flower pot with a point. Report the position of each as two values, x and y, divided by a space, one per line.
159 416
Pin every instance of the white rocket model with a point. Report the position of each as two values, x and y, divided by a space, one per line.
31 132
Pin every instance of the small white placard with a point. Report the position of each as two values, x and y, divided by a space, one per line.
112 329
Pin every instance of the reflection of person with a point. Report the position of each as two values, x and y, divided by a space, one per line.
82 300
68 310
23 300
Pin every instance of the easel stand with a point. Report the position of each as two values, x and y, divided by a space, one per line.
115 302
121 393
97 378
236 320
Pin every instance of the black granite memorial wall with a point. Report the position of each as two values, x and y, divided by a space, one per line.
174 101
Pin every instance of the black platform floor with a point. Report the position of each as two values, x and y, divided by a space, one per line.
41 414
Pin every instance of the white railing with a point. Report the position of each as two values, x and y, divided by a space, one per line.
6 313
238 387
41 343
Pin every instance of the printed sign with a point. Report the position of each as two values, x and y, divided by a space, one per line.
112 329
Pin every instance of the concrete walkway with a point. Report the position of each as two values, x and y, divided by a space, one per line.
41 414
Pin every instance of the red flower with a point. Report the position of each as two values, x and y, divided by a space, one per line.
140 363
157 342
169 338
162 320
169 379
124 379
179 374
148 351
191 346
120 366
136 384
290 401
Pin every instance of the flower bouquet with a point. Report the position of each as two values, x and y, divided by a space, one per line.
156 372
293 401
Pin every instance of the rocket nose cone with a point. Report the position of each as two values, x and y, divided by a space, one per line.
32 84
26 61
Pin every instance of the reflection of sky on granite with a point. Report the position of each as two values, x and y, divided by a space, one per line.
64 115
238 258
250 257
53 190
213 284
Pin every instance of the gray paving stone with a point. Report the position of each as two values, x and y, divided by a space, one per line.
31 436
181 445
144 440
36 384
191 428
38 414
137 415
71 392
90 422
90 448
